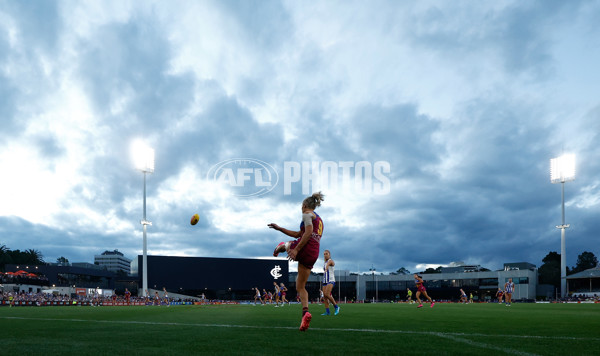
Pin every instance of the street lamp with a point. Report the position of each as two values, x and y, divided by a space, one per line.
143 157
562 169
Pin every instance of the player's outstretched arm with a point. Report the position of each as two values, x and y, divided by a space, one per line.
294 234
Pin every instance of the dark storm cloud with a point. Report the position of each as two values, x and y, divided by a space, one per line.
519 34
488 209
133 58
38 25
19 234
48 146
7 89
265 23
38 22
224 130
8 96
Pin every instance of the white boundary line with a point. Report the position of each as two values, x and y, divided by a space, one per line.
484 346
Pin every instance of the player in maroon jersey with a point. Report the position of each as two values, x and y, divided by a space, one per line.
499 295
127 296
305 249
421 290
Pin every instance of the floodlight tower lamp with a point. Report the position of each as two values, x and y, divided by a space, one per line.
143 158
562 170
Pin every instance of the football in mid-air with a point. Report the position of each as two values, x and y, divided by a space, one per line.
195 219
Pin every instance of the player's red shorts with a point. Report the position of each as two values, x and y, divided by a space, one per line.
309 253
421 288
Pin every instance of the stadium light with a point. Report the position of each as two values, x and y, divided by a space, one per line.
562 170
143 158
372 269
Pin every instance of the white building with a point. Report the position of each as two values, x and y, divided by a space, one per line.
113 261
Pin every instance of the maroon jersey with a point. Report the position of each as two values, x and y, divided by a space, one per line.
420 286
310 252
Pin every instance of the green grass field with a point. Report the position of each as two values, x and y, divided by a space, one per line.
447 329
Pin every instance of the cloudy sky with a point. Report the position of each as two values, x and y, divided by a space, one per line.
433 121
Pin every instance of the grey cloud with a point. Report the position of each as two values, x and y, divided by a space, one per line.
134 58
265 23
520 35
39 23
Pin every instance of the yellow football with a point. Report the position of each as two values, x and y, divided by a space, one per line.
195 219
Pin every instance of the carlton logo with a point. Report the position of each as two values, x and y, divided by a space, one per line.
275 272
247 177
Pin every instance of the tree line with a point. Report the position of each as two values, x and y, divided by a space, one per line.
549 271
28 257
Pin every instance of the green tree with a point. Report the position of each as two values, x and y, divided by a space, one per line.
29 257
62 261
549 271
433 270
402 271
5 257
32 257
585 260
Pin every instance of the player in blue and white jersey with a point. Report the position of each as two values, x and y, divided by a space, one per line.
328 283
463 297
276 293
257 296
509 288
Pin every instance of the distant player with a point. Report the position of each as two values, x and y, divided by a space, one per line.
166 297
328 283
470 297
96 300
156 298
305 249
409 296
257 296
127 296
276 293
499 295
421 289
463 296
283 290
509 288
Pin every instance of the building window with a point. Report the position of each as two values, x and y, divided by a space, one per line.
523 280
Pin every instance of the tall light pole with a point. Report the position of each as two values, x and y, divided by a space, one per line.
357 282
562 170
372 269
143 157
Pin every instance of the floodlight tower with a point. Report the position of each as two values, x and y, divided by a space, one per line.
372 269
562 170
143 157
